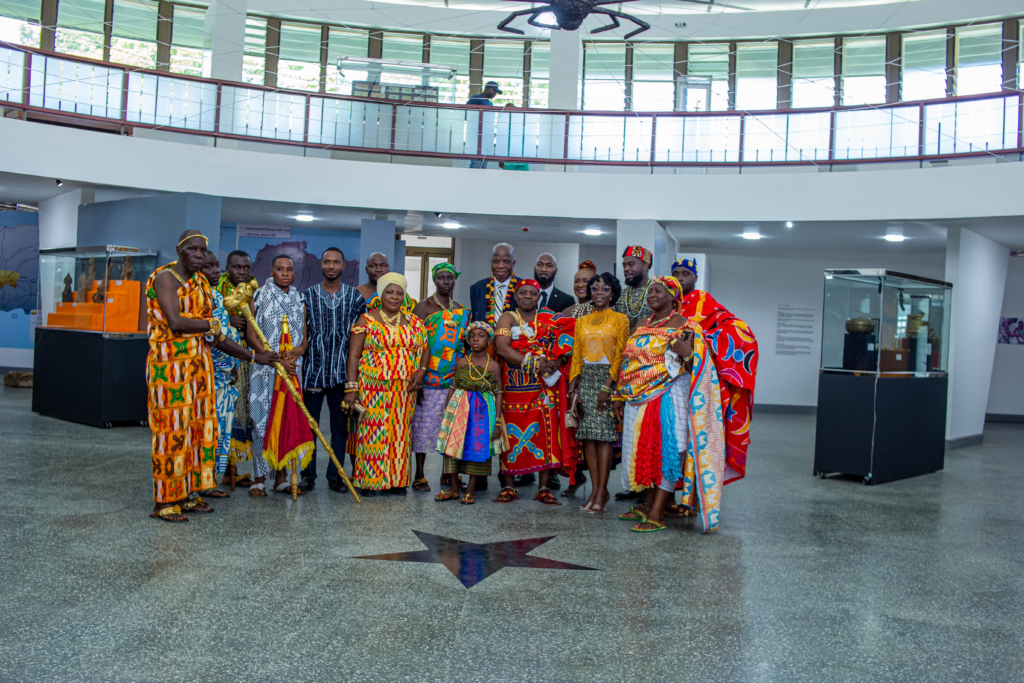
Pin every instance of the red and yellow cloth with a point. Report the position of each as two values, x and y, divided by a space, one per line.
288 434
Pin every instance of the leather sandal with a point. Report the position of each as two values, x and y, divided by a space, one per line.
165 514
468 499
545 496
446 495
508 494
197 506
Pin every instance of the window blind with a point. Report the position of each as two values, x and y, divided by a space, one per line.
187 27
979 45
604 62
864 56
81 15
135 19
540 61
652 62
402 47
26 10
256 36
503 59
453 53
813 59
345 43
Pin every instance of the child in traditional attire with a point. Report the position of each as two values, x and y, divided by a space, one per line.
471 428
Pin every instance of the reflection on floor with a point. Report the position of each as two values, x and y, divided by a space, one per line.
808 579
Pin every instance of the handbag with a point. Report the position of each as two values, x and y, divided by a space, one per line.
574 413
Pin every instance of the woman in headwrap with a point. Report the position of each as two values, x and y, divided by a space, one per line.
581 288
671 409
387 361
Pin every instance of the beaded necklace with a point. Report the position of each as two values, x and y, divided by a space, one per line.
630 310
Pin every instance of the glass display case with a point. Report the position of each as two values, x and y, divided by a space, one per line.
95 289
880 321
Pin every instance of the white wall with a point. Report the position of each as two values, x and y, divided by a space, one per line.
58 219
751 284
473 260
604 257
1006 394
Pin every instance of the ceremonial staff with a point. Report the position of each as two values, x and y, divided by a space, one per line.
239 299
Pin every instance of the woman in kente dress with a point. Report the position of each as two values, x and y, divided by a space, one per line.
471 428
670 403
387 361
597 354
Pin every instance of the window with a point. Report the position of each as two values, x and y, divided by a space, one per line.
757 80
503 62
80 28
540 74
298 64
187 41
813 83
133 35
863 79
345 43
604 77
254 61
711 61
403 47
19 21
421 255
453 53
979 59
924 65
653 86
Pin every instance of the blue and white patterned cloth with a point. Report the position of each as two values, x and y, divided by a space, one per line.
227 393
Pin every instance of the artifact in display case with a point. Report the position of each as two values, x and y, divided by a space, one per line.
110 304
882 383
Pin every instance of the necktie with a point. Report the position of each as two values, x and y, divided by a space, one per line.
543 299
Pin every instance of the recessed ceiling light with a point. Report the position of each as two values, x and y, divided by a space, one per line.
451 225
894 238
304 218
548 18
789 224
751 235
593 232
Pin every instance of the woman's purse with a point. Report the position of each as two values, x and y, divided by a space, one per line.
574 413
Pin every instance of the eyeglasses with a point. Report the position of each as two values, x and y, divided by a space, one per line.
601 288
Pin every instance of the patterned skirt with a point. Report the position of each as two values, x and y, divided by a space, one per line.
426 421
595 426
240 447
384 434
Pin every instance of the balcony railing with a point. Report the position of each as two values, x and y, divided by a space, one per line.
40 81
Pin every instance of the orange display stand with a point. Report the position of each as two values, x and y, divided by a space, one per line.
123 297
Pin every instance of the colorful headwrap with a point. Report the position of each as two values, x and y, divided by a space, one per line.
391 279
528 283
441 267
688 264
639 252
588 264
673 287
479 325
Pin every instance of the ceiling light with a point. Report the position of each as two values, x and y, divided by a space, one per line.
593 232
304 218
450 225
751 235
789 224
547 18
894 238
59 182
437 213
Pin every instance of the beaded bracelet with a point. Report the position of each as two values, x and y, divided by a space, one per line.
605 389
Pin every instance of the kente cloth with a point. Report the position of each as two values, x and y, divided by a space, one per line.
390 359
534 412
227 397
639 252
408 303
181 395
633 304
470 429
446 334
510 296
666 416
227 393
288 435
427 420
240 448
734 352
271 304
649 370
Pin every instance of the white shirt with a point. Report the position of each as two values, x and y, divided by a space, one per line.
550 291
500 290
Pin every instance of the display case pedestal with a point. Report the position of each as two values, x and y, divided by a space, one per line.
880 428
90 378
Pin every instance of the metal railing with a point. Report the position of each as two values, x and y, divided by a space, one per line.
41 81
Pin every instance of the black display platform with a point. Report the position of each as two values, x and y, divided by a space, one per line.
88 378
880 432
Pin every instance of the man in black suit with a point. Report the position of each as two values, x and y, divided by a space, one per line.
494 295
551 297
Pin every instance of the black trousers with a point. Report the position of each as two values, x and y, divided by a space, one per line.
314 401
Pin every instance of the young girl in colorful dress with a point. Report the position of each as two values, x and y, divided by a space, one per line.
471 429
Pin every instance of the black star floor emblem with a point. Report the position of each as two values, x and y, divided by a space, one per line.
471 563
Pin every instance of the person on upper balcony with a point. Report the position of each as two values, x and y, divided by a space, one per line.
484 98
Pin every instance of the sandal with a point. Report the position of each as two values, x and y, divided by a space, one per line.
546 497
468 499
508 494
216 493
654 526
636 512
244 480
674 510
171 514
197 506
446 495
285 487
421 485
258 490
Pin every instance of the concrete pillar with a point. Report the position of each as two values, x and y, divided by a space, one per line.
224 37
58 218
378 235
565 85
647 233
977 268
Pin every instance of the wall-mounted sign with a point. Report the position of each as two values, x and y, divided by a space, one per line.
794 330
264 231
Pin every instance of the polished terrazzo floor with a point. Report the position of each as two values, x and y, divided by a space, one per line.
808 580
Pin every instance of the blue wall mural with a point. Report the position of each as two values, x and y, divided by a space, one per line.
19 277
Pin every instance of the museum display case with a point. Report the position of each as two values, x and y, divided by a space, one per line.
883 376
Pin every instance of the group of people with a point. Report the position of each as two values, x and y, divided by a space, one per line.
654 375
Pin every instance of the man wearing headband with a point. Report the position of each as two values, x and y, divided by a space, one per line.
332 307
446 321
179 376
636 262
733 349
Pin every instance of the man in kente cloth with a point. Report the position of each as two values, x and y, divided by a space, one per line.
179 378
494 295
533 346
734 352
238 270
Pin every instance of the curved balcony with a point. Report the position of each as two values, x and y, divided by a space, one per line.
40 81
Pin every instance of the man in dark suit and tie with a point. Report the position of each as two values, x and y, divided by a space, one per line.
551 297
494 295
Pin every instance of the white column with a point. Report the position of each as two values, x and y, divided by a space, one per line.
977 268
378 236
566 70
224 37
58 218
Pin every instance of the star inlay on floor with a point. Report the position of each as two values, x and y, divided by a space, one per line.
471 563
